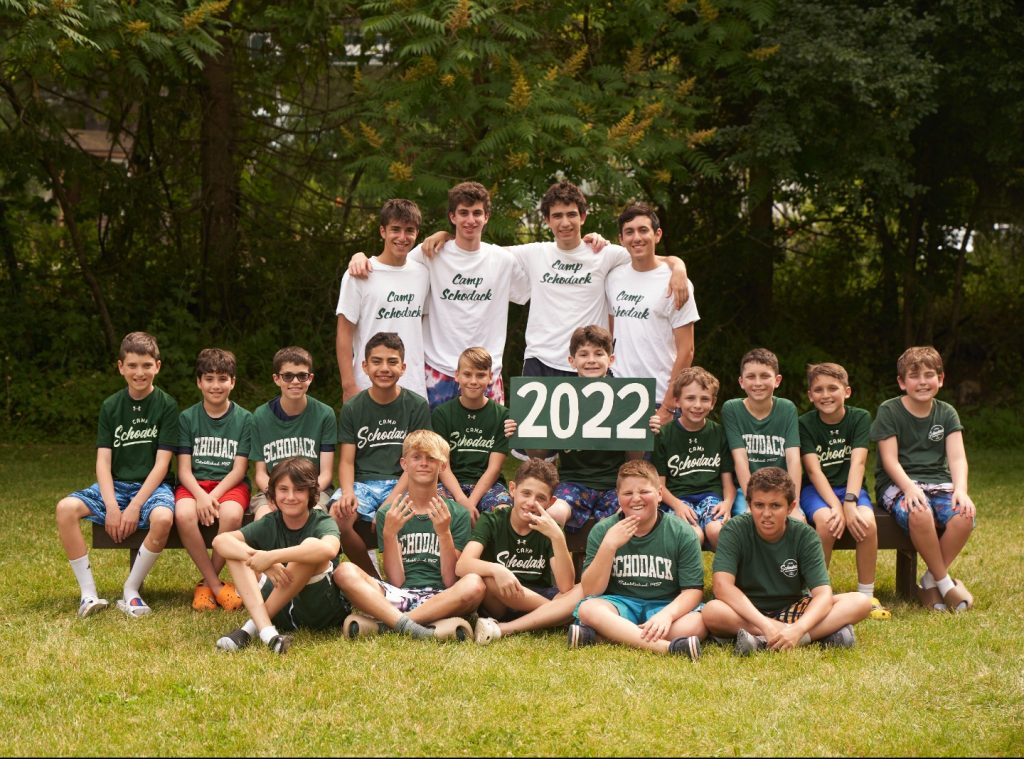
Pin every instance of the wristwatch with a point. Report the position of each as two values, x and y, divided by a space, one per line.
850 498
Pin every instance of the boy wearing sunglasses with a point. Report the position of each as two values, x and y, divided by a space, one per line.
292 424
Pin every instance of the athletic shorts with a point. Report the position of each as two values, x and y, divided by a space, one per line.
495 497
124 492
259 500
789 614
636 610
586 503
739 506
407 599
370 496
702 504
812 502
940 499
239 493
443 387
318 606
547 592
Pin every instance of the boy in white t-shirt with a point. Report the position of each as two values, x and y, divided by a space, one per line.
392 301
652 338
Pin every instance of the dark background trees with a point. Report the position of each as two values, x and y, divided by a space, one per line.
842 178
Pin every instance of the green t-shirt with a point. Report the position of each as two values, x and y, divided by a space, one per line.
921 441
212 443
378 431
834 443
527 556
765 440
473 436
270 532
421 550
592 469
135 431
692 462
306 434
772 575
655 567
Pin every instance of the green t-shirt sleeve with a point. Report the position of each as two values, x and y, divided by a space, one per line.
659 457
807 444
184 433
789 423
730 422
727 554
326 526
952 419
483 533
258 534
328 428
860 435
884 425
169 428
460 525
245 438
346 424
256 435
378 520
420 416
500 441
728 465
812 560
689 561
439 422
594 541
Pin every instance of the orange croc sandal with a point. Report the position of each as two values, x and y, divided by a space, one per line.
202 598
228 597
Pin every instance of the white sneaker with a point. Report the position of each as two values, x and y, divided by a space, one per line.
134 607
487 631
90 606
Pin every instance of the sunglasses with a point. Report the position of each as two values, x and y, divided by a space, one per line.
292 376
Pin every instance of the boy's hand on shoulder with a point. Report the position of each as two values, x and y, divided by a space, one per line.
657 627
440 515
963 505
545 524
433 243
398 515
596 241
622 532
507 583
359 265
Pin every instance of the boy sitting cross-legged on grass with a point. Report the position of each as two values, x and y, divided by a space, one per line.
421 536
282 563
769 578
474 426
137 433
644 574
522 556
693 458
292 424
213 456
921 475
371 429
834 447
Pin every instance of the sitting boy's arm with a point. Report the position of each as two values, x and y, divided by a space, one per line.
325 482
235 477
956 456
441 517
343 350
889 453
658 625
312 550
206 503
232 546
507 583
453 486
724 507
678 505
261 477
490 476
793 466
723 585
347 477
105 481
562 569
741 467
130 516
596 576
785 637
855 522
836 520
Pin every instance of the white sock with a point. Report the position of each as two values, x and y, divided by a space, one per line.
867 589
143 563
927 581
945 585
250 627
267 633
83 573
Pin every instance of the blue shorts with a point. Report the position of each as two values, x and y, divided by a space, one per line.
443 387
124 492
811 501
702 504
369 496
739 506
940 499
495 497
586 503
636 610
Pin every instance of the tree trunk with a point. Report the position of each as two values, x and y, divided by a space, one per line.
759 267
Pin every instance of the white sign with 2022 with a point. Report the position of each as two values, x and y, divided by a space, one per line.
607 414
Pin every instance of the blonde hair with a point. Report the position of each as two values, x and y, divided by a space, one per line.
476 358
428 442
916 357
638 468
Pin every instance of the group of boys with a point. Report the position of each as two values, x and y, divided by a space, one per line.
452 537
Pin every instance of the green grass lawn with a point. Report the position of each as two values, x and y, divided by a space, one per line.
920 684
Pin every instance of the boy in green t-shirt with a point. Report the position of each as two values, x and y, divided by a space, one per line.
762 430
921 475
474 426
693 458
523 558
371 429
135 441
421 536
834 447
282 563
293 424
213 456
769 578
643 576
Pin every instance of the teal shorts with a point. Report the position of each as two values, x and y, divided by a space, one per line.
636 610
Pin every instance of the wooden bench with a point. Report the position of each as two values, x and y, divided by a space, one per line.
890 537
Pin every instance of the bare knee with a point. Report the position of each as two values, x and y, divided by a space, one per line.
347 574
185 512
69 510
230 516
471 589
591 611
160 522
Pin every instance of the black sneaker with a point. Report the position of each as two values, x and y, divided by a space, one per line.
234 640
581 635
279 644
747 644
841 638
688 645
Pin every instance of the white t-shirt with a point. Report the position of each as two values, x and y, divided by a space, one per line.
469 296
644 319
566 292
391 299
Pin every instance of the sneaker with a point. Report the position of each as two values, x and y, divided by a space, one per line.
747 644
234 640
487 631
279 644
90 606
688 645
133 607
581 635
721 641
841 638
